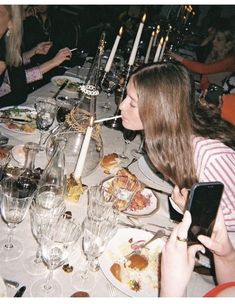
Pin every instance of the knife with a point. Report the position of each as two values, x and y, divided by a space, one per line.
15 119
20 292
157 190
10 283
60 88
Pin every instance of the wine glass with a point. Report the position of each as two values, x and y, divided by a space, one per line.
57 242
96 235
16 196
46 112
108 84
40 219
136 153
128 136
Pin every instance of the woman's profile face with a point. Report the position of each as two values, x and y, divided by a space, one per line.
4 20
129 109
220 41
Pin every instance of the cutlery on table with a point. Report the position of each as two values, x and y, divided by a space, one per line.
20 292
159 234
60 88
11 283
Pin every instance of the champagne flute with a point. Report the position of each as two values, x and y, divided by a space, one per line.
40 219
57 242
16 197
46 112
96 235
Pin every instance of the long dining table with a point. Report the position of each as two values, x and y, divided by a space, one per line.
112 142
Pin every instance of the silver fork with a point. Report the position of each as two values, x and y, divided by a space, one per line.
159 234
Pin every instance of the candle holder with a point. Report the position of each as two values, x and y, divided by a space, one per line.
117 122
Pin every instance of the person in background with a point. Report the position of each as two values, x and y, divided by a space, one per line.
178 260
219 63
158 101
46 23
16 76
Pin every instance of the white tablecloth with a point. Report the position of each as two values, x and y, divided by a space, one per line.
113 142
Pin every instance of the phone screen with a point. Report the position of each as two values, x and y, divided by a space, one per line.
203 205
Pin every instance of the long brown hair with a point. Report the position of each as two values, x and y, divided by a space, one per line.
164 92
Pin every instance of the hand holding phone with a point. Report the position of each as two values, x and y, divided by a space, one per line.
203 204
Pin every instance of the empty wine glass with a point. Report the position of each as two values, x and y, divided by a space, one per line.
136 153
16 198
96 235
40 219
57 243
128 136
46 112
108 84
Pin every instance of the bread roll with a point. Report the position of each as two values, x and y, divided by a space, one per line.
109 162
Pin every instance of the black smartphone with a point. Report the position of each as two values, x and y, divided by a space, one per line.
213 94
203 204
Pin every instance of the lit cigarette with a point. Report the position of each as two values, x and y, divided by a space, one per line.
107 118
73 49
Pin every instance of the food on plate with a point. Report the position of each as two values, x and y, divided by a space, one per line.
79 294
27 115
137 261
110 162
138 271
4 153
124 179
116 271
71 85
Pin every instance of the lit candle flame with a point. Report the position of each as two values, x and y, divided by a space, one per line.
161 41
143 19
120 31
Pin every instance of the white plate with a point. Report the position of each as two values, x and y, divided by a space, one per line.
25 112
146 211
119 246
59 80
3 289
153 177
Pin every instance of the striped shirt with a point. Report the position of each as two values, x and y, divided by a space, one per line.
215 161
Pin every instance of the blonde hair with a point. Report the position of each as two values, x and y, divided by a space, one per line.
14 37
164 93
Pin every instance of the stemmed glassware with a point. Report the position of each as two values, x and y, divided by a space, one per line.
46 112
96 235
40 219
57 242
16 197
108 84
128 136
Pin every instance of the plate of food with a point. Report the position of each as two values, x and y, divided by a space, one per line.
131 196
136 275
19 119
73 84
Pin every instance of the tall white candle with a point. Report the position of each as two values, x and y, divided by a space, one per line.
83 152
149 48
137 40
158 51
113 52
163 48
156 35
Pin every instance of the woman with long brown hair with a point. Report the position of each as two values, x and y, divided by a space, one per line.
159 102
